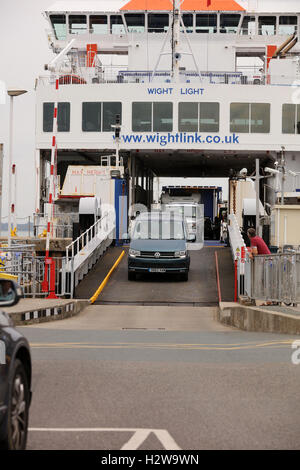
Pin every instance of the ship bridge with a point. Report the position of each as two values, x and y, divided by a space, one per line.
219 34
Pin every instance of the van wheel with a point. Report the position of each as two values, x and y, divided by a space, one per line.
131 276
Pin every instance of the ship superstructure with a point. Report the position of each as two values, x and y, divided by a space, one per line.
177 77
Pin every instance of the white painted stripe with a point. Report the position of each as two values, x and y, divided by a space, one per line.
48 312
140 435
166 439
35 314
136 440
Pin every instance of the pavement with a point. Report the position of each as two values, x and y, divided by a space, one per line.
190 384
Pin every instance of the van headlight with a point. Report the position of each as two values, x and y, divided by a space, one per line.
180 254
134 253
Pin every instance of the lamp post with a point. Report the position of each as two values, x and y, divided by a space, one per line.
11 93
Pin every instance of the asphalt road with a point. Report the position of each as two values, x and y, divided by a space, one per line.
110 379
201 289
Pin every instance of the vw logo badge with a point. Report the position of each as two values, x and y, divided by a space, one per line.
157 255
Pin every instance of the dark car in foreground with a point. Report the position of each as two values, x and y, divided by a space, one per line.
15 375
159 245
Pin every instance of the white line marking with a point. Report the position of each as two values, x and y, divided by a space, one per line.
166 439
136 440
139 436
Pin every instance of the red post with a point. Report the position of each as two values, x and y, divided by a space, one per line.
235 280
51 295
45 286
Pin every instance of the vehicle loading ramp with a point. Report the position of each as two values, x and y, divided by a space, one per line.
200 290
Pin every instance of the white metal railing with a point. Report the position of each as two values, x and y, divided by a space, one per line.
114 75
84 239
85 251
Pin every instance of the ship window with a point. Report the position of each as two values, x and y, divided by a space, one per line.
209 117
206 23
158 23
260 118
59 26
110 110
188 119
77 24
240 117
229 23
267 25
142 117
98 24
116 24
162 117
250 117
248 26
288 24
188 21
63 117
135 22
91 117
291 119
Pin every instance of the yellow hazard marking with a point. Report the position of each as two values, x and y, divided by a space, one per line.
104 282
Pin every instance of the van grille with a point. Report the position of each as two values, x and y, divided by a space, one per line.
163 254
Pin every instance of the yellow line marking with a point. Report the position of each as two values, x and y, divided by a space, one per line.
170 346
104 282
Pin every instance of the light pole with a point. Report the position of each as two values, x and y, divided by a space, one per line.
11 93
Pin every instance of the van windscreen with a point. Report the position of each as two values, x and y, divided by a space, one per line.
159 229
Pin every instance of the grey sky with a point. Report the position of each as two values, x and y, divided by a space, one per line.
24 51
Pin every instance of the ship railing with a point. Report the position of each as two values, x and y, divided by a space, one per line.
62 224
104 76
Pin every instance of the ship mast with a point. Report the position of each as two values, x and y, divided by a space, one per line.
173 35
175 40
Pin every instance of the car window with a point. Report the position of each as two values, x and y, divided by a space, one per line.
160 229
184 211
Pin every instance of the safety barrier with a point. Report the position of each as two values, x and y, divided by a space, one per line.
273 278
54 277
21 263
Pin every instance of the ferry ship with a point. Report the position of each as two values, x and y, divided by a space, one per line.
178 98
